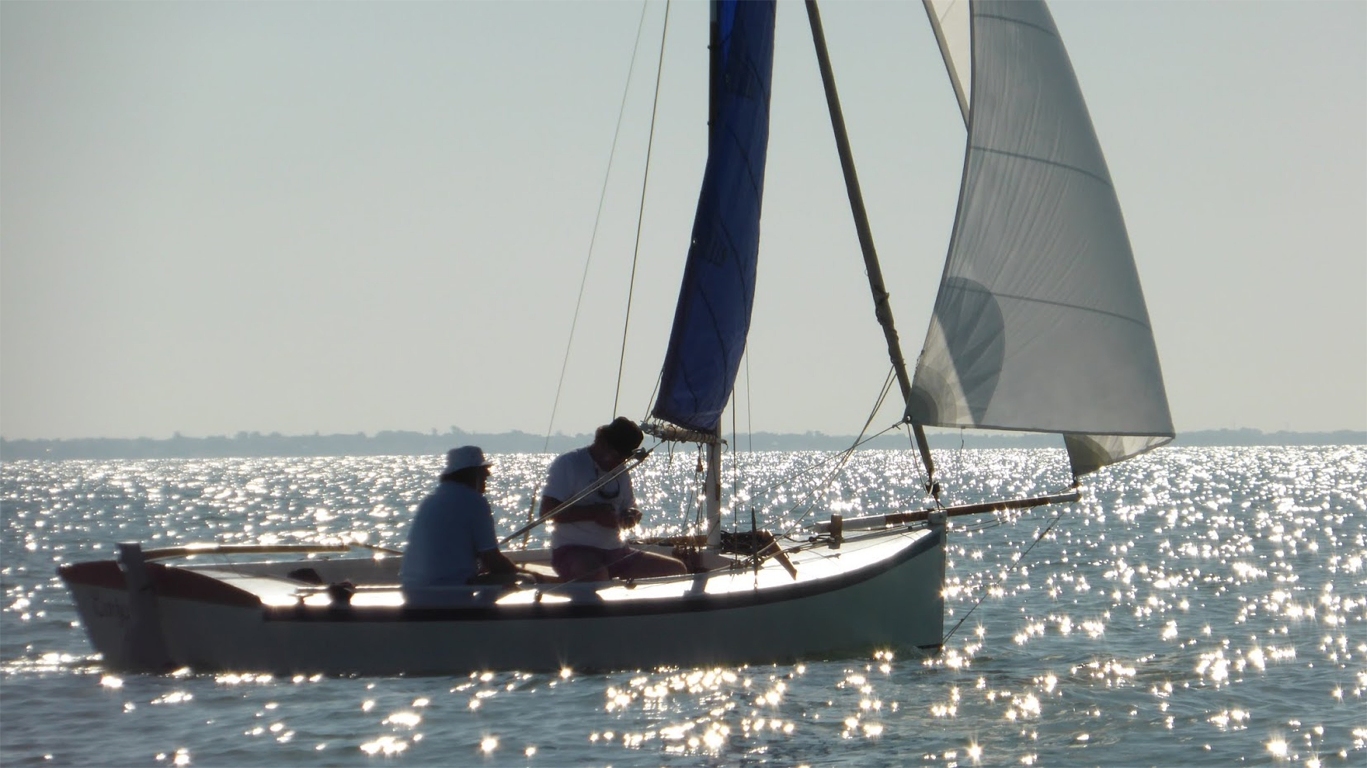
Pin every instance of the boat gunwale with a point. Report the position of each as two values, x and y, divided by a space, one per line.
597 608
175 582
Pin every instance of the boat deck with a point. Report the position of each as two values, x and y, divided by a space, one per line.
373 582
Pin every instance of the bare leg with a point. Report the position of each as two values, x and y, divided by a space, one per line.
580 564
647 565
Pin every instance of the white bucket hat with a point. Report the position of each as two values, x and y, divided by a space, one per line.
464 457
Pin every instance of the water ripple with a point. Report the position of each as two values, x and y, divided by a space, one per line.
1199 606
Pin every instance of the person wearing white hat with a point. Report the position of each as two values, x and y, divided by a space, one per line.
586 539
452 541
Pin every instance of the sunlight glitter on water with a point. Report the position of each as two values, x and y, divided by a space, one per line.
388 746
180 757
1210 597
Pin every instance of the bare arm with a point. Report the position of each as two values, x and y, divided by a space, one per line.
496 562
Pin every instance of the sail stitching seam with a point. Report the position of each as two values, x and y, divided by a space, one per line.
1066 305
1020 23
1045 161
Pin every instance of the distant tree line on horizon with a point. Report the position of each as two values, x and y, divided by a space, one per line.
404 443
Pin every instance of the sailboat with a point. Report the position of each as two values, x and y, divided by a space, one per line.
1039 325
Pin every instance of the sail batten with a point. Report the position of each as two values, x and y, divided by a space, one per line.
1040 323
712 318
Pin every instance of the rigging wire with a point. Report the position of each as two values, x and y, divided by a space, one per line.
735 470
736 473
588 261
640 215
842 457
1013 567
749 407
878 404
593 238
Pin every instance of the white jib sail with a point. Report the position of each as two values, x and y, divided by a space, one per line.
949 20
1040 323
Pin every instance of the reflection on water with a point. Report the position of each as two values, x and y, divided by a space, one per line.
1199 606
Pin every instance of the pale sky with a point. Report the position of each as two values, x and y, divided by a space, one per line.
353 217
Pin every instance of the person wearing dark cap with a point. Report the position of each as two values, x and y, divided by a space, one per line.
586 539
451 542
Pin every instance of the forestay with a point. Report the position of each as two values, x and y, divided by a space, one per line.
1040 322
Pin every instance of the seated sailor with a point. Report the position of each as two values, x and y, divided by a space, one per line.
451 542
586 539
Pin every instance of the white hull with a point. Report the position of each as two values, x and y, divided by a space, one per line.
881 591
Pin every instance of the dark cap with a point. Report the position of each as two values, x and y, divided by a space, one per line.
622 435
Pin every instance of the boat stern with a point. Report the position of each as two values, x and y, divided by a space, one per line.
121 605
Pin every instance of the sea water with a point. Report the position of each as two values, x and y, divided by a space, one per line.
1200 606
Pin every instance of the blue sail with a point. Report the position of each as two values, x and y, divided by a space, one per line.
713 314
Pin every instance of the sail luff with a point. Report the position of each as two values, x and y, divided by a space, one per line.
952 42
882 309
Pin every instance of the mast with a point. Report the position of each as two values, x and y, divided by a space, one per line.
881 308
712 477
712 493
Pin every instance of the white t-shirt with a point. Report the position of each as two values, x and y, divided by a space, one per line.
569 474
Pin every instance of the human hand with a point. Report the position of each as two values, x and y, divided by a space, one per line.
629 518
606 516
